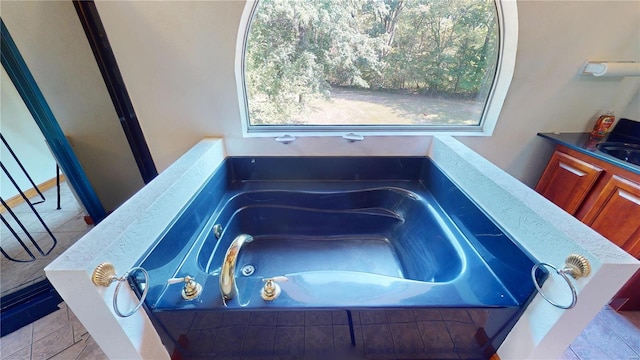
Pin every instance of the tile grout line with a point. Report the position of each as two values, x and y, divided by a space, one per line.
574 353
67 348
617 333
79 356
73 337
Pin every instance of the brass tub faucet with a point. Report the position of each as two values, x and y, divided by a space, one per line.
227 275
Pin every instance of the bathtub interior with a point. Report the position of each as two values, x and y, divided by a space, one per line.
371 230
360 251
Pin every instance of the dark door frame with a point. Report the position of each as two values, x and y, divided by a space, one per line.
19 73
106 60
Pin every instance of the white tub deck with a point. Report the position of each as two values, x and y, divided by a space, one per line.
542 229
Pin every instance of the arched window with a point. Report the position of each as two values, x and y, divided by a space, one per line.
374 67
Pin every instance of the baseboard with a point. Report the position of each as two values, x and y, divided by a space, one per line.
18 199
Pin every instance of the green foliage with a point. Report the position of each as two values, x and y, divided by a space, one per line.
298 49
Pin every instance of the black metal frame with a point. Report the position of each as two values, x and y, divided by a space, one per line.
31 206
93 28
15 157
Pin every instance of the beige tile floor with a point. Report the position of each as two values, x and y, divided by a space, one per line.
67 225
58 336
611 335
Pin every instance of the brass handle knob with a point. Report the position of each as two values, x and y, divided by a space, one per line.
271 290
191 289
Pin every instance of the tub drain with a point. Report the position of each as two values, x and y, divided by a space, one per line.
248 270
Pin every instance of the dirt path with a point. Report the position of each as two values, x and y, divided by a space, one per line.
362 107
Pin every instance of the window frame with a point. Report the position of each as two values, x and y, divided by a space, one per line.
507 14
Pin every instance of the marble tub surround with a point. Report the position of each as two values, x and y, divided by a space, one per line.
549 234
542 332
122 238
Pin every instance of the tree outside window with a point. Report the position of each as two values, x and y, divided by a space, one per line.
381 63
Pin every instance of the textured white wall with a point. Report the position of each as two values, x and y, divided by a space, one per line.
633 110
51 40
23 135
547 94
177 59
178 62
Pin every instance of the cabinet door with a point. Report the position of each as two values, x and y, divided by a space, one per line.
616 214
628 298
566 181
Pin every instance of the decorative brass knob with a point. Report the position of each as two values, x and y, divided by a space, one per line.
104 274
577 266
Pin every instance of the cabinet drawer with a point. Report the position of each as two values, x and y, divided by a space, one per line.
566 181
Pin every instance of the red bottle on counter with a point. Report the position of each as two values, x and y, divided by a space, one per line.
603 124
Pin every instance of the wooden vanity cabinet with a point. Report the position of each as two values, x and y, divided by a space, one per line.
605 197
602 195
567 180
615 213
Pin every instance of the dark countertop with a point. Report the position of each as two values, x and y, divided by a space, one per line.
580 142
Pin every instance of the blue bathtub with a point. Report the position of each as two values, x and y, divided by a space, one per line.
366 240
